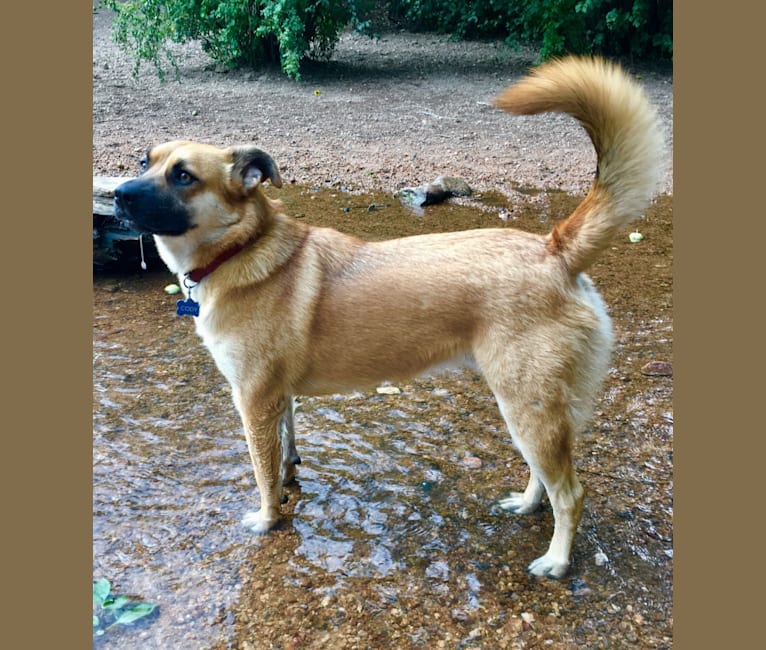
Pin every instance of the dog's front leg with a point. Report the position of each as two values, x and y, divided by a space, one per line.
261 419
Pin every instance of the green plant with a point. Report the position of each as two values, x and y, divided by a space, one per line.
641 29
237 33
116 610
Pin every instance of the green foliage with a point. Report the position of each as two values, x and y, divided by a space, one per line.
462 20
115 610
237 33
642 29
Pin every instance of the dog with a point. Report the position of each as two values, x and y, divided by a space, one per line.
289 309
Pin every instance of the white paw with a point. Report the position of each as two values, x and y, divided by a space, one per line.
515 502
258 522
549 567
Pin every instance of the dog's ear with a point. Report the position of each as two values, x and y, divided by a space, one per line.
251 166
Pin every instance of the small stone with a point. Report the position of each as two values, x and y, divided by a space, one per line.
635 237
172 289
459 615
514 626
657 369
579 588
387 390
471 462
601 559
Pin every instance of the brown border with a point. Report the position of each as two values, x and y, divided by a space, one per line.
47 281
718 285
48 347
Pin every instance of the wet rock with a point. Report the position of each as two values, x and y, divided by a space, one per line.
438 570
657 369
441 189
579 587
459 615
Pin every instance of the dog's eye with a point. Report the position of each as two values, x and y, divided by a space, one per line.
182 177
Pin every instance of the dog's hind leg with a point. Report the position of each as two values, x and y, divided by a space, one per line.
290 457
522 503
542 431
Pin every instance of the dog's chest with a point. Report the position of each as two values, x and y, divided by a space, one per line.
218 346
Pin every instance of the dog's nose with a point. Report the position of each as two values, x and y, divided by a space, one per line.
123 195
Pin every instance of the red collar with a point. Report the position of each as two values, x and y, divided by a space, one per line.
196 275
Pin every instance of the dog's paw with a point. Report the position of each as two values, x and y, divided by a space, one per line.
288 469
259 522
515 503
548 567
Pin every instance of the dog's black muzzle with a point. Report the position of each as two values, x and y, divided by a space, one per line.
152 208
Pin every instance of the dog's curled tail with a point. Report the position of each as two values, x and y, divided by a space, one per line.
624 129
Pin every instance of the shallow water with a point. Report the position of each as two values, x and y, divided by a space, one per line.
391 533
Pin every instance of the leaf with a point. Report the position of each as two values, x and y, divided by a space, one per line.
117 603
134 612
101 589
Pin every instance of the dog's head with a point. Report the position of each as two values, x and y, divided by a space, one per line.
194 197
187 185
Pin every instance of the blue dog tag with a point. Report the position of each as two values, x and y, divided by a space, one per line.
187 308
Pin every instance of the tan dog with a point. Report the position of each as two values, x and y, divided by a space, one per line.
288 309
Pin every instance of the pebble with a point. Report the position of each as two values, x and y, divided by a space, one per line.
387 390
471 462
459 615
657 369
